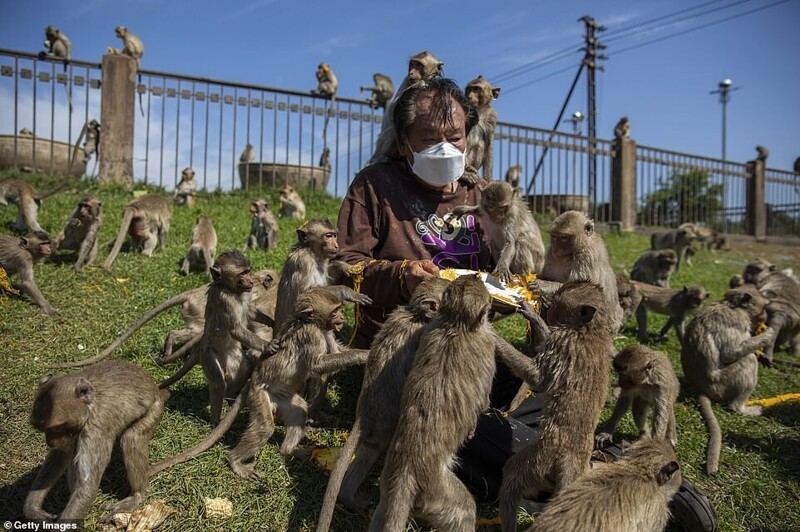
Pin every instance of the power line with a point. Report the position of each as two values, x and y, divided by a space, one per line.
639 25
676 21
537 80
702 26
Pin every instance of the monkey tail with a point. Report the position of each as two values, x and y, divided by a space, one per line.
337 475
187 365
182 351
398 509
127 218
714 434
212 438
177 300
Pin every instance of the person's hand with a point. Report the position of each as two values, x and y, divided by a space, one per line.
416 271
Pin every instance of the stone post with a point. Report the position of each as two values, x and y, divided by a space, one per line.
623 181
756 208
117 111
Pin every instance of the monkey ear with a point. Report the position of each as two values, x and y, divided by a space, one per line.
685 289
99 204
23 243
306 313
216 274
586 314
588 228
431 307
495 93
44 379
253 207
665 473
84 391
772 267
648 369
38 201
301 235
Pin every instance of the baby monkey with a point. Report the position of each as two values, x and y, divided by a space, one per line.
647 380
517 245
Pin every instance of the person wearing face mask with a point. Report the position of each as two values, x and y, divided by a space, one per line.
396 219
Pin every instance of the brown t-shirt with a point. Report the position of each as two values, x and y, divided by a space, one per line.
388 216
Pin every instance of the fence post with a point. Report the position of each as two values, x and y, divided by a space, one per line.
623 181
117 108
756 213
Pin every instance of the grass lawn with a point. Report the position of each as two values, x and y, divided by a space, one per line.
757 487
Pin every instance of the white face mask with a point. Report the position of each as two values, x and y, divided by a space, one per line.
439 165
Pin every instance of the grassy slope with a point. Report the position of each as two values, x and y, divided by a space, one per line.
757 488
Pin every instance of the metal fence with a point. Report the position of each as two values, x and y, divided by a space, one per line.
206 124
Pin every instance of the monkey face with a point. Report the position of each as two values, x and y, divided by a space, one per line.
244 282
474 96
336 321
561 244
331 244
416 70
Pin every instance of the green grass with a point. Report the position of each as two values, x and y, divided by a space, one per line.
757 487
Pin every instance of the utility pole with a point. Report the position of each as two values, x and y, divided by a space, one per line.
593 50
724 89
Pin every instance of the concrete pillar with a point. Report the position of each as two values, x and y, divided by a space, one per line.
117 109
623 183
756 209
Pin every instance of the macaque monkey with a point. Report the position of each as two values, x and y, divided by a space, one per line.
479 141
574 364
325 159
132 45
632 493
203 247
25 132
421 67
390 357
456 352
81 231
647 380
381 92
783 310
622 129
680 240
513 175
248 154
146 219
292 205
515 238
709 239
276 383
673 303
18 255
219 352
57 44
309 264
263 227
59 47
24 196
193 305
82 415
719 361
326 81
92 142
184 193
655 267
577 253
629 298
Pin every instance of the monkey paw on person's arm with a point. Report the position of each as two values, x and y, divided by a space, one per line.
415 271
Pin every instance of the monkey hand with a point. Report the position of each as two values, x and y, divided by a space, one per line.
362 299
503 272
470 175
271 348
417 271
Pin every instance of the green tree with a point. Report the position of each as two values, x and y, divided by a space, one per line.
683 197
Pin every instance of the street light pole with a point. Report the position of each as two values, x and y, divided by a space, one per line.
724 89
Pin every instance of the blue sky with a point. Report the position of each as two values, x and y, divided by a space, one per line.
662 86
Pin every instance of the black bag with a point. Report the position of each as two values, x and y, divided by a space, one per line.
499 435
